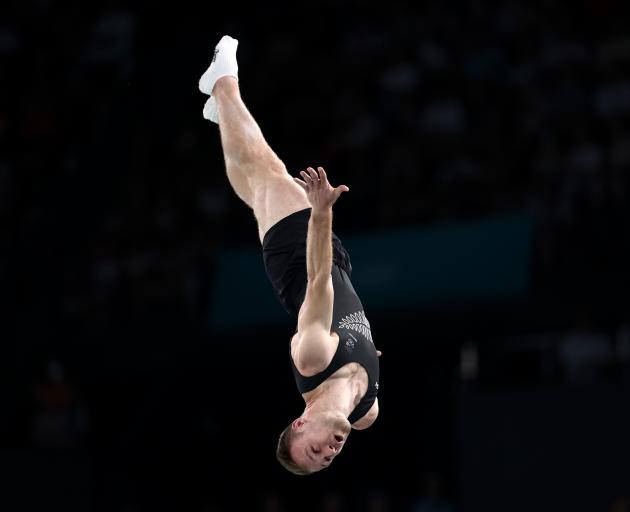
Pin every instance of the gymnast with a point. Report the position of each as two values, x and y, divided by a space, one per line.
333 357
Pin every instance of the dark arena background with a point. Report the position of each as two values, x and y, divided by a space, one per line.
144 358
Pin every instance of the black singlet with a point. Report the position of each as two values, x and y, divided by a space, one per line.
355 344
284 255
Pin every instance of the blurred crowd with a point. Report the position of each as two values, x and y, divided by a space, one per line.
113 199
110 178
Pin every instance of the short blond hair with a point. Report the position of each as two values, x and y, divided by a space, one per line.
283 452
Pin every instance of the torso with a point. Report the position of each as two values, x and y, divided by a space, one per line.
351 375
342 360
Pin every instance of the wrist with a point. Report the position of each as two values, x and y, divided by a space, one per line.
321 212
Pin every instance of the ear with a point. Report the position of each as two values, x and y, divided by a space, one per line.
297 423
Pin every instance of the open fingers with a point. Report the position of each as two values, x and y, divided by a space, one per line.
314 176
308 179
322 175
311 177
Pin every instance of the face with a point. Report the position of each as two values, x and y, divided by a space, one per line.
320 439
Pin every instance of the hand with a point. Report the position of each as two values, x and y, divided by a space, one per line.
320 193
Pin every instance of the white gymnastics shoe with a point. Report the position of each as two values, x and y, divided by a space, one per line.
223 64
210 110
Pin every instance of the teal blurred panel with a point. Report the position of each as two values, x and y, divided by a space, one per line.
486 259
463 262
242 295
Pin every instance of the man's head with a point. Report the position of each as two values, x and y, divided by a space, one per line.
311 442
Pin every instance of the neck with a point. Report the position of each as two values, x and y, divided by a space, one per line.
335 397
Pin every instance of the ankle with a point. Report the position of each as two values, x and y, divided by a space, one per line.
225 85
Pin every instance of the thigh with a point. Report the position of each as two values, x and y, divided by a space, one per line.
276 196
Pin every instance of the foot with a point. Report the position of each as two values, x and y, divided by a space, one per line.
223 64
210 110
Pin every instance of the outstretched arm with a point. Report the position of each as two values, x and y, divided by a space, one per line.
322 195
316 312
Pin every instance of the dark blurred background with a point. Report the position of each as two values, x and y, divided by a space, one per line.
144 360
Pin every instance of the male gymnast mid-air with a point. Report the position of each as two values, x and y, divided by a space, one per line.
333 356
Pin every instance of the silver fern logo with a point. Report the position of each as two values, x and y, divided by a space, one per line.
357 322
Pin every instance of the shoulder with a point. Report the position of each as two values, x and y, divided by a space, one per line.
312 349
369 418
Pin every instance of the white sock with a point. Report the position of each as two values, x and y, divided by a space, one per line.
223 64
210 110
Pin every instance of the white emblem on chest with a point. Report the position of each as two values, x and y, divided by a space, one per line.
358 323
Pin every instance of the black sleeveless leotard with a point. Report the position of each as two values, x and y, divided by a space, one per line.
284 253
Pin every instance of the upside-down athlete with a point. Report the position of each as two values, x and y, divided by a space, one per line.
332 353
